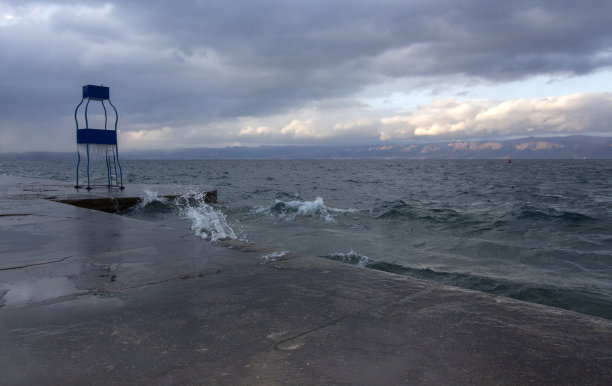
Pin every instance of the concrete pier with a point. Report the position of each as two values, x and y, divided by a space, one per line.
88 297
114 200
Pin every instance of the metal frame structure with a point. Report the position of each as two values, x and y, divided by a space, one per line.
98 141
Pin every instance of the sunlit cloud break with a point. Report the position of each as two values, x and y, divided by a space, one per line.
569 114
586 113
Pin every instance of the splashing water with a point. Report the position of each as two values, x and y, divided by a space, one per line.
206 222
149 196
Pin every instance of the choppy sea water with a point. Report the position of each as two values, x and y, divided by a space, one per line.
535 230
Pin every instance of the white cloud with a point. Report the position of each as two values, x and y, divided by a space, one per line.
28 13
583 112
261 130
302 129
146 138
311 126
353 125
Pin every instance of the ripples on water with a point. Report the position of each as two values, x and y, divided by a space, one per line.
536 230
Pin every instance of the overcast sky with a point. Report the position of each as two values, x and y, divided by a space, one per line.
206 73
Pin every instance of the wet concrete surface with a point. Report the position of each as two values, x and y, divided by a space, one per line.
112 200
88 297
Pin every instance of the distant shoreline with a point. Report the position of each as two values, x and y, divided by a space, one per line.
570 147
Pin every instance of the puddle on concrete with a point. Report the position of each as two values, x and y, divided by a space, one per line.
27 291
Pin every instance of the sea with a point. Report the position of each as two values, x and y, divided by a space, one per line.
534 230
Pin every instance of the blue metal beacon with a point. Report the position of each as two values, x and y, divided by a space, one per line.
98 144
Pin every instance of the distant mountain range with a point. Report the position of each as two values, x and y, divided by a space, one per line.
571 147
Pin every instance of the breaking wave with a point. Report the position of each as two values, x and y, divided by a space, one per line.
351 257
271 257
290 210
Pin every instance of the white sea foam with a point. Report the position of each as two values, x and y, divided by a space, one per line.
351 257
261 209
272 256
290 210
315 208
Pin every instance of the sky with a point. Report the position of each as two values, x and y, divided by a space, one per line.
200 73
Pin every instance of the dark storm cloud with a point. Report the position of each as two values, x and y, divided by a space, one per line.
182 62
492 40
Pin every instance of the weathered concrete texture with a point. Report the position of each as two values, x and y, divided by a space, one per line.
94 298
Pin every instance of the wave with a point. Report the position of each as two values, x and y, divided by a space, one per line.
290 210
206 221
272 257
400 210
579 300
531 212
351 258
395 210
